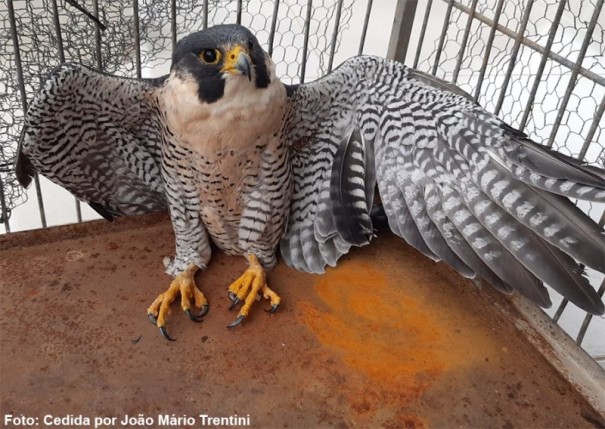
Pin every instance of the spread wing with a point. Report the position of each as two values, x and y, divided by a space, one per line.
98 136
456 183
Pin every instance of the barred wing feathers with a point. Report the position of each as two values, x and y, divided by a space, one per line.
98 136
455 182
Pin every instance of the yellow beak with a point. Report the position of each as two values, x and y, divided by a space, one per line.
237 61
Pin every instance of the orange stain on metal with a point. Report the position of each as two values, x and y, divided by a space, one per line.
377 328
380 324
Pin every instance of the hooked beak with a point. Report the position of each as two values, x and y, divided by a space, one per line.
237 61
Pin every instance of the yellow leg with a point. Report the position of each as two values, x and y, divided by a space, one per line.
248 286
184 284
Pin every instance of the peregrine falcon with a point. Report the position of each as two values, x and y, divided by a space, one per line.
252 164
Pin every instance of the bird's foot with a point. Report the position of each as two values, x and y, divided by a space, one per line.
184 284
246 288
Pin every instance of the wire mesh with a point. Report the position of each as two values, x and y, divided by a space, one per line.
464 50
135 38
539 65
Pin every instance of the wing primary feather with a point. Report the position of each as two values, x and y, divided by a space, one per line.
400 219
348 190
486 192
544 260
545 161
457 242
491 251
552 217
431 234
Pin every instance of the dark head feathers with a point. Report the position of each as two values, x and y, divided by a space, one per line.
212 37
185 58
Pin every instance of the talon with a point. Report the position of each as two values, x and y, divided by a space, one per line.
199 316
237 321
152 318
165 333
183 285
249 287
234 304
273 308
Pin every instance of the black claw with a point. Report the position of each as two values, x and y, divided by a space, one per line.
273 308
235 302
232 296
199 316
152 318
165 333
237 321
204 310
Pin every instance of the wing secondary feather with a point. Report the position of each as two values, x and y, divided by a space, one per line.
98 136
456 183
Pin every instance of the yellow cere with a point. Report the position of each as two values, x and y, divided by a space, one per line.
232 56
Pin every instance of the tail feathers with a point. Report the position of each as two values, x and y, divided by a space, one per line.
103 211
24 169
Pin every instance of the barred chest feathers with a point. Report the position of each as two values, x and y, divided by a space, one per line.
229 141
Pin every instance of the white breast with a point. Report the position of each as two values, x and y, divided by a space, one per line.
230 138
233 122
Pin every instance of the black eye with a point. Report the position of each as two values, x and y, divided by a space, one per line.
210 56
250 45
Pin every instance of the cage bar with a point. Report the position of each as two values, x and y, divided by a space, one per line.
57 25
3 209
401 30
205 17
173 23
238 15
536 47
303 67
588 318
593 129
334 36
21 82
446 21
560 309
93 18
273 26
488 49
95 11
575 72
545 56
425 22
137 38
467 30
364 31
513 55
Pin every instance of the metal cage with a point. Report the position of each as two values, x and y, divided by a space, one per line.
538 64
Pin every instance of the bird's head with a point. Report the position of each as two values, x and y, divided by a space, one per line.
216 56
